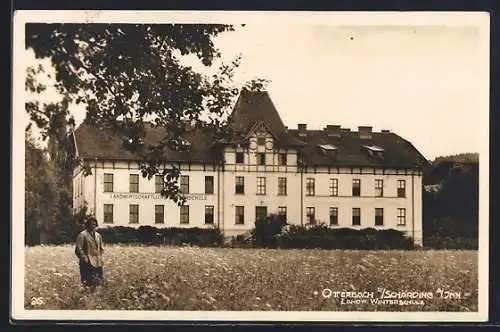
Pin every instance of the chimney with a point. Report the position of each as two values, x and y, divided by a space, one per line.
332 130
302 129
365 132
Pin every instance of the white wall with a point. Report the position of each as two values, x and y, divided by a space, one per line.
121 198
224 215
250 199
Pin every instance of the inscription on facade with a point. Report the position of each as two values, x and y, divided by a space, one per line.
189 197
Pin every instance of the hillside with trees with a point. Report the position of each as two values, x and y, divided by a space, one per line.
471 157
451 198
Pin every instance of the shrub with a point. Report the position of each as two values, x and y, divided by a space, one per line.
267 229
447 242
206 237
322 237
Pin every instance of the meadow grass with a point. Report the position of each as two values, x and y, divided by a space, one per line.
191 278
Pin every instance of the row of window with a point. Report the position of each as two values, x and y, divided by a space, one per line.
260 212
159 184
356 187
261 185
159 214
261 158
356 216
310 187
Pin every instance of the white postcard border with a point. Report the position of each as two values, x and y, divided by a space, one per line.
477 19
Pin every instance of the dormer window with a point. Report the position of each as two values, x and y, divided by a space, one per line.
374 150
328 149
240 158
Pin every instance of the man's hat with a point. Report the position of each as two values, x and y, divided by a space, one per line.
90 219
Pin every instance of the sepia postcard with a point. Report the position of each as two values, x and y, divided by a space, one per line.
250 166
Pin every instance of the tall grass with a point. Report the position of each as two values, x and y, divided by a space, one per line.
190 278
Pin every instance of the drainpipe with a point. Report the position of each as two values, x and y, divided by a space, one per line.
218 197
301 196
223 200
413 206
95 188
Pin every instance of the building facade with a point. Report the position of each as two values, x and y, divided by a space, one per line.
340 177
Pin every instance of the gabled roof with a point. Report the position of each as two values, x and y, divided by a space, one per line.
254 106
93 142
351 150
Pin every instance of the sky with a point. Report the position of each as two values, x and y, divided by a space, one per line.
425 83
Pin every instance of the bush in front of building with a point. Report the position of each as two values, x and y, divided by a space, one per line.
321 236
206 237
449 242
267 230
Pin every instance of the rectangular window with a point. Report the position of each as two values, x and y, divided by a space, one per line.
108 182
184 214
282 159
209 185
379 217
401 216
260 212
240 185
133 213
158 184
108 213
239 215
261 140
184 184
262 158
282 211
379 188
282 186
261 186
310 187
209 214
240 158
401 188
311 214
159 214
334 216
356 216
356 187
134 183
334 187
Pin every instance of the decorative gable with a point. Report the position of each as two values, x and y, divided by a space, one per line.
259 129
260 137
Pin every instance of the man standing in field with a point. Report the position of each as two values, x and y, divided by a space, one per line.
89 251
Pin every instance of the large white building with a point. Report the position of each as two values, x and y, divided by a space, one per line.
337 176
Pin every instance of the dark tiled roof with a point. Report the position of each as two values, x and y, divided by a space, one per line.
252 107
93 143
351 151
